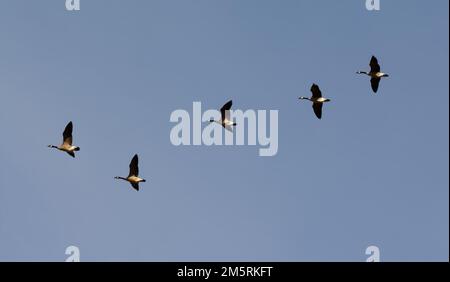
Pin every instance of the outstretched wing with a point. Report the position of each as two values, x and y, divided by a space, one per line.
72 154
316 93
317 107
135 186
134 166
374 66
375 82
224 111
67 134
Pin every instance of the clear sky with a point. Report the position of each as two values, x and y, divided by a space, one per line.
373 171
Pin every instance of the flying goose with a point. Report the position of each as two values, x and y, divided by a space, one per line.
67 146
225 117
133 177
375 74
317 100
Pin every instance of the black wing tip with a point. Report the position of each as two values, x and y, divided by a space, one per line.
134 160
315 90
68 130
315 86
228 104
226 107
134 169
374 60
135 186
375 83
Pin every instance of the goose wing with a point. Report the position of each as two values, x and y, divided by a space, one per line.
135 186
317 107
224 111
316 93
67 134
375 82
374 66
134 166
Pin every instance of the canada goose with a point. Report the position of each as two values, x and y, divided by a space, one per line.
375 74
133 177
317 100
67 146
225 117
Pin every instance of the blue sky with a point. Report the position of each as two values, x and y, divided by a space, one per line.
373 171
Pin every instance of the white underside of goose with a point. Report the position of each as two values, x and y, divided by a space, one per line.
135 179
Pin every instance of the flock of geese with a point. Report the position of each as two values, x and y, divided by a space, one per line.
375 78
317 100
69 148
